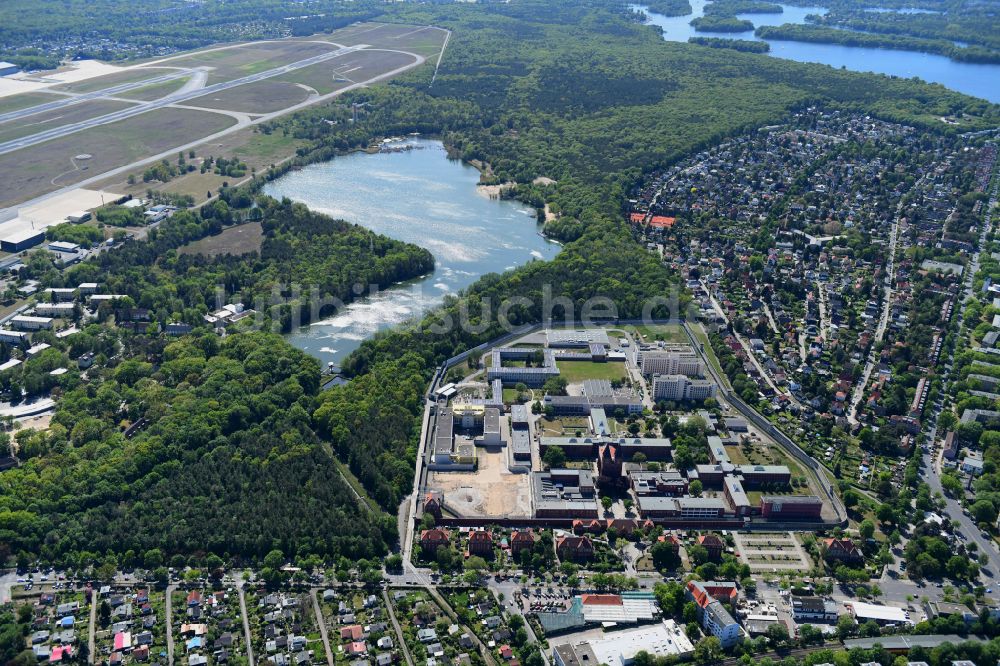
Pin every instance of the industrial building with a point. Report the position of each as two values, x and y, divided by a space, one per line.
791 507
8 68
555 337
666 639
564 493
23 240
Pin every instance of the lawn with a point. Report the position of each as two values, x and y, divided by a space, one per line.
566 426
702 338
576 371
665 332
155 90
241 239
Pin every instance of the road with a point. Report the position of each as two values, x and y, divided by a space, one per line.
318 612
748 350
92 628
246 622
930 459
73 99
175 98
883 322
396 627
170 623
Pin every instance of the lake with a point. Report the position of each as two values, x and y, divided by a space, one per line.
978 80
414 194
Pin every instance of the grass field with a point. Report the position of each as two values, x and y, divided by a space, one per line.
566 426
258 150
342 72
108 80
666 332
241 239
576 371
702 338
154 91
30 172
57 117
243 60
260 97
24 100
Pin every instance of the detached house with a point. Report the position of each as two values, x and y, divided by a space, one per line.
578 548
842 550
431 540
521 541
481 543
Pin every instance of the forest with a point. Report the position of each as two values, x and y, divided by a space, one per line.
306 264
716 23
226 463
735 44
36 34
824 35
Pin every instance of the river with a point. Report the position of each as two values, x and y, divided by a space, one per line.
418 196
978 80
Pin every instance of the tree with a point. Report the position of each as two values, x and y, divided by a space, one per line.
394 562
664 556
606 502
695 488
866 529
846 626
554 457
777 633
475 563
697 553
555 385
708 650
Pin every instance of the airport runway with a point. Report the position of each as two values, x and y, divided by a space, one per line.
176 98
97 94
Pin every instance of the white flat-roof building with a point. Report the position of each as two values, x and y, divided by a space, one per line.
7 365
881 614
55 309
619 649
13 337
64 246
29 323
576 338
38 349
